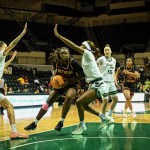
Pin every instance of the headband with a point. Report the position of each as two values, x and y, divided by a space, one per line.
86 44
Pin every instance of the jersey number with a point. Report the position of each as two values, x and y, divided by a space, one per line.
110 71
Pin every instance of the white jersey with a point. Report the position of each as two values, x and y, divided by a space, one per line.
90 66
2 81
2 63
107 68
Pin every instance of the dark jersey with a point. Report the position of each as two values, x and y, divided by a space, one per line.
68 71
126 77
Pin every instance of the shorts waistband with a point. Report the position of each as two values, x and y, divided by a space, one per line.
98 79
108 81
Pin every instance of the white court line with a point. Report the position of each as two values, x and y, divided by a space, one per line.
81 138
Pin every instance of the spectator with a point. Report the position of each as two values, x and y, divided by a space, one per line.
21 82
37 91
10 90
26 81
145 60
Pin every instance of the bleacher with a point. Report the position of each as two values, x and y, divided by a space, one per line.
124 37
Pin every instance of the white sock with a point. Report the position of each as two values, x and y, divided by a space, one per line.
102 116
82 123
125 110
132 111
62 119
36 121
110 112
13 128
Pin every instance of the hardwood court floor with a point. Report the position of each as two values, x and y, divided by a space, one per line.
126 133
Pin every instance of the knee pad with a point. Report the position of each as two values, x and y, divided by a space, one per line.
45 106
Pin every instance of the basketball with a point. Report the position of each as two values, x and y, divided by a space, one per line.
57 81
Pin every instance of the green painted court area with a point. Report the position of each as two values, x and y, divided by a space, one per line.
124 136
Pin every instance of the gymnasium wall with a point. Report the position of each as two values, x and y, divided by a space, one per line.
39 58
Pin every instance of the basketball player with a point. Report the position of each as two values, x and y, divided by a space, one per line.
107 68
3 90
93 77
3 85
130 73
72 72
4 49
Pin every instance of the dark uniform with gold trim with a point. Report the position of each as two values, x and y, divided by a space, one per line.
128 81
69 72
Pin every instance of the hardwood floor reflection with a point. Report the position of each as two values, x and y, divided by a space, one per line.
25 116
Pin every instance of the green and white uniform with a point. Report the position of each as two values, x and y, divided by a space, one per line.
93 74
107 69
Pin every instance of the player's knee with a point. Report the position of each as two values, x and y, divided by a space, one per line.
9 106
69 98
45 106
86 107
115 98
105 101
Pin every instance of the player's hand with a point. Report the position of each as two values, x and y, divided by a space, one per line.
55 30
13 55
117 85
67 83
25 29
125 71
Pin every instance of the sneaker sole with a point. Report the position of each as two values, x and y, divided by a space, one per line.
79 133
19 137
29 129
59 130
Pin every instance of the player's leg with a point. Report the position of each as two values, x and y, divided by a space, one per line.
54 95
71 93
11 116
128 104
114 96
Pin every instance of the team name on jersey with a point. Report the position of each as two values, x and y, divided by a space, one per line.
64 71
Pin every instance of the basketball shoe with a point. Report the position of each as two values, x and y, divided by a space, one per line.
59 126
17 135
31 126
107 120
79 129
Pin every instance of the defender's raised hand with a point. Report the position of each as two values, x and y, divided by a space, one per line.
25 29
55 30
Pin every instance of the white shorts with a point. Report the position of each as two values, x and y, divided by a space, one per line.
111 89
1 97
100 88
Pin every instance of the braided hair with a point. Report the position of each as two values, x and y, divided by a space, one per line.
57 57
